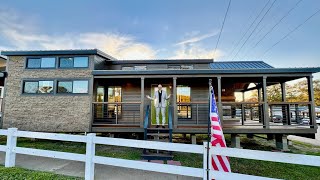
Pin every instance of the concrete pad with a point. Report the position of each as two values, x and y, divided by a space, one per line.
157 161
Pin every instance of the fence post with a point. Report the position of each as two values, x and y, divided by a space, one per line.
90 153
11 144
205 155
210 162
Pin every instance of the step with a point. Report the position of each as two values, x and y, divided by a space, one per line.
159 140
176 163
159 129
157 156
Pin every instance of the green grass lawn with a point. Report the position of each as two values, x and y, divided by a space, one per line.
24 174
238 165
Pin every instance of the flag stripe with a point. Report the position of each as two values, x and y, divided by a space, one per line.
219 163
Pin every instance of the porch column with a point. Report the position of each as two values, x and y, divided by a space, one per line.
312 114
286 108
259 107
219 101
174 103
265 103
142 103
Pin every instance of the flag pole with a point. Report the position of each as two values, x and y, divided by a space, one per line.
209 128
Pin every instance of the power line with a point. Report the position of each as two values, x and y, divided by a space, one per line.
255 28
276 24
249 28
284 37
224 20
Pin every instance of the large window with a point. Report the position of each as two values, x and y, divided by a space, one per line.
183 101
38 87
38 63
76 87
114 96
73 62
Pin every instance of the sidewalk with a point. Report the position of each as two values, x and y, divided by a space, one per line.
74 168
315 142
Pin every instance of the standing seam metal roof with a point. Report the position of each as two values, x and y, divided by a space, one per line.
240 65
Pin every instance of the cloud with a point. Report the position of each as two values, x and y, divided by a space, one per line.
20 35
197 38
196 52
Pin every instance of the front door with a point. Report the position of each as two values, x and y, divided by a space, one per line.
154 88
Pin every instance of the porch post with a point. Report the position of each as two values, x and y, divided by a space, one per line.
286 108
174 103
142 103
312 114
265 103
219 101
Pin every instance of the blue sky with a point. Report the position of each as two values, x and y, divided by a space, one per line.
164 29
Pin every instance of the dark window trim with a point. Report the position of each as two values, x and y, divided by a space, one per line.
36 80
27 62
72 62
57 62
55 86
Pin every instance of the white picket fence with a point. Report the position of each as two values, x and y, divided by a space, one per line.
91 159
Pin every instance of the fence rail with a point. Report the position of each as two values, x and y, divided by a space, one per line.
91 159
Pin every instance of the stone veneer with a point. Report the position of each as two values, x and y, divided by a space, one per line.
51 113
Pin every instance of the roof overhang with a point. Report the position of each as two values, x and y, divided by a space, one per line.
209 71
58 52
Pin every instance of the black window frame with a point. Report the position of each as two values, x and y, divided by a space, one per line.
41 59
188 106
38 82
72 81
73 67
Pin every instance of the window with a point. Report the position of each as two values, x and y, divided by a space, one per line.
38 63
114 96
38 87
174 67
73 62
140 68
76 87
126 68
183 100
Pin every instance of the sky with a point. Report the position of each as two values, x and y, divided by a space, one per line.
167 29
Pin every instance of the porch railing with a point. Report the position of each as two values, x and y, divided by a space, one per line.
248 114
116 113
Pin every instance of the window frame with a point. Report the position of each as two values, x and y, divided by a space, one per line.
38 81
41 59
55 86
71 80
190 106
73 57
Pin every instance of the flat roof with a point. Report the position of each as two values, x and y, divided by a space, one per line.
208 71
240 65
58 52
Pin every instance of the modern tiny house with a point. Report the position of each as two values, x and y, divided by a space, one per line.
90 91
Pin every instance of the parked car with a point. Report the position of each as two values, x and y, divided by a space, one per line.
318 120
276 119
305 121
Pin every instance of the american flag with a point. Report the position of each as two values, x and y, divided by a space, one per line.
219 163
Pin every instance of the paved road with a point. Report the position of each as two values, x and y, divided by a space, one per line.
315 142
73 168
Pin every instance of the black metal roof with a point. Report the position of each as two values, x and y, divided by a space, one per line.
162 61
239 65
58 52
208 71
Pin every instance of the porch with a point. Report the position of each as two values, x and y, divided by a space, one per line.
119 104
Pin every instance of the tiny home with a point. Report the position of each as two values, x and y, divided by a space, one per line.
90 91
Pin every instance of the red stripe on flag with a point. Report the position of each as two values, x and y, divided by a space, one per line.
223 165
218 128
214 118
215 167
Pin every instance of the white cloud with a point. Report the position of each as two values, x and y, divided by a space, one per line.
196 51
197 38
21 36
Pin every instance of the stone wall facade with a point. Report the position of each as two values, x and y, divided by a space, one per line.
46 112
